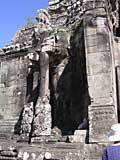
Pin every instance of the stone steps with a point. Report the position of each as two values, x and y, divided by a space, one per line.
8 155
8 152
7 158
7 125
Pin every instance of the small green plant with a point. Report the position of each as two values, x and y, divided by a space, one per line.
30 21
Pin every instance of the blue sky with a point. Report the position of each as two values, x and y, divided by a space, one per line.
13 15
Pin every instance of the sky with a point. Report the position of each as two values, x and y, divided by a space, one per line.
13 15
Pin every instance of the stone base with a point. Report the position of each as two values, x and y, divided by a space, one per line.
7 126
101 118
79 136
42 121
58 151
23 138
48 139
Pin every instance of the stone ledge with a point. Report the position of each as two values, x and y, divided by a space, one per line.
58 151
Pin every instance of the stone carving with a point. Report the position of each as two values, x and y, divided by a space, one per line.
98 116
27 119
43 19
57 78
42 119
56 132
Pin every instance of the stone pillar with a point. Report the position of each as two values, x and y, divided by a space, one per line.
100 74
42 119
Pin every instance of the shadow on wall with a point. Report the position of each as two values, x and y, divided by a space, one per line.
32 95
17 127
72 98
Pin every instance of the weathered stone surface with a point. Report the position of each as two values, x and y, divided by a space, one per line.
56 74
42 120
78 137
58 151
100 69
27 119
101 118
12 92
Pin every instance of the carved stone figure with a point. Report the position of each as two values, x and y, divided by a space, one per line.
27 119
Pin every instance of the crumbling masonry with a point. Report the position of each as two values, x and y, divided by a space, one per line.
59 83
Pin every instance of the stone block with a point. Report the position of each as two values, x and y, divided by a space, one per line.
48 48
53 2
93 151
92 49
96 101
8 153
12 94
90 31
78 137
101 118
42 120
91 41
100 85
7 126
98 63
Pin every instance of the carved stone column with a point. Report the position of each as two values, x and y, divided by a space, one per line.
42 119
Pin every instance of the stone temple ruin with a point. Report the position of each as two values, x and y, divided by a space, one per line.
59 83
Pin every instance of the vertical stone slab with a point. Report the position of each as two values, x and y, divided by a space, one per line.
101 118
100 74
12 92
42 120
